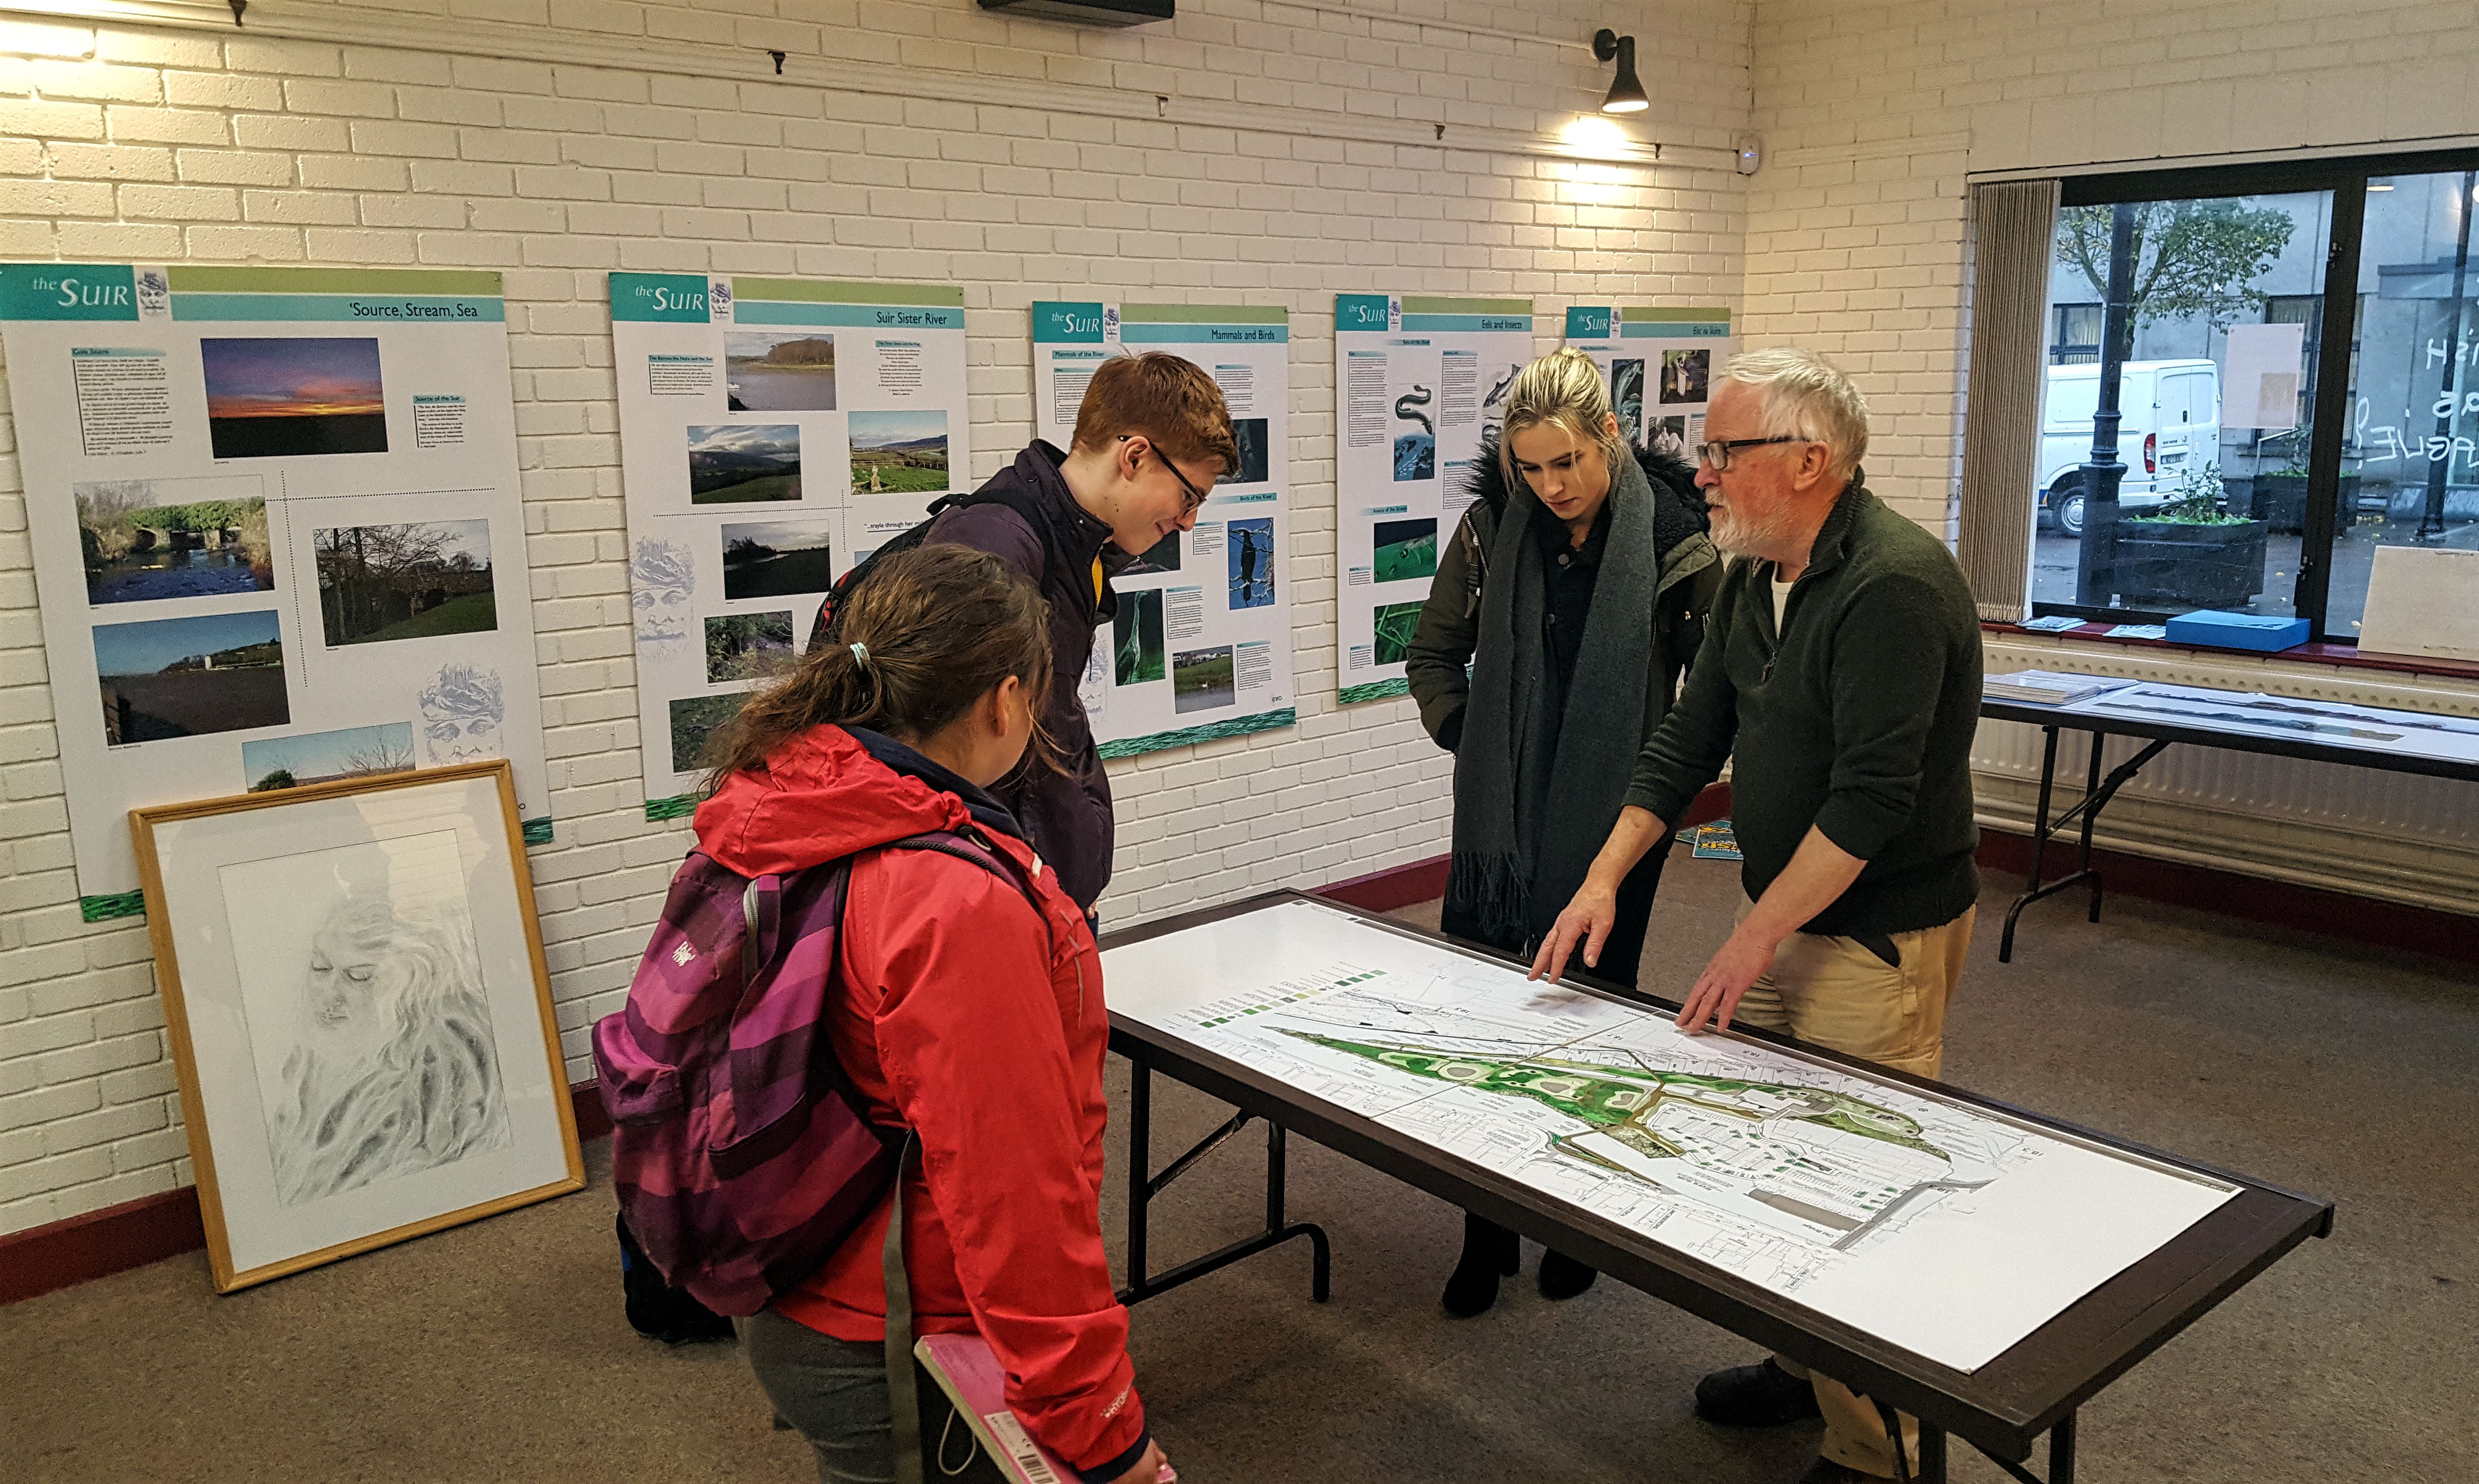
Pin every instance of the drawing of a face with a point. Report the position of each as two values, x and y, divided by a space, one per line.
661 582
462 714
353 994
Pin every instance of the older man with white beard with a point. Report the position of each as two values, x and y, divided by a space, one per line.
1841 666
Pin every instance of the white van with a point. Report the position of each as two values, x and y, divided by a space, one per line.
2170 421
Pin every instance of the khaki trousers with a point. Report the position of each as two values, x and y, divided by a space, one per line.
1834 993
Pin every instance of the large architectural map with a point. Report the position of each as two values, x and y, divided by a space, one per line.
1931 1222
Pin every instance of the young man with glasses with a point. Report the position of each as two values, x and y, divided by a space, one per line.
1152 436
1840 677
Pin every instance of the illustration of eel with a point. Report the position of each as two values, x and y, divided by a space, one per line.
1417 397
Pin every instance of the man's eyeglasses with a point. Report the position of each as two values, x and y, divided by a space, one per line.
1716 456
1195 496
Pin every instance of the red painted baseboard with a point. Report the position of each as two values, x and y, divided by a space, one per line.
152 1228
1425 879
2248 897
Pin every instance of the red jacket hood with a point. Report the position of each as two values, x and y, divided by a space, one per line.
821 797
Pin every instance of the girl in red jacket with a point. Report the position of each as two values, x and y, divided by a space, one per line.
958 1010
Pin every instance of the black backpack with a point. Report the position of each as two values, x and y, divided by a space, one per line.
1018 500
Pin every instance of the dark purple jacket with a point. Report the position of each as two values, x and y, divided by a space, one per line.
1065 810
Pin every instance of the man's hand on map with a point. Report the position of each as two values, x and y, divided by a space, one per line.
1588 918
1741 962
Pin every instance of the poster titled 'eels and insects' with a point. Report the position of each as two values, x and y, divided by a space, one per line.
1418 382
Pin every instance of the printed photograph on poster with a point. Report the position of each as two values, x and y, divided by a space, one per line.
776 559
695 720
1626 394
279 397
662 583
1685 375
363 1039
1393 623
418 581
1250 547
464 716
146 539
1250 434
769 371
190 677
1493 406
374 1049
899 451
325 756
1405 549
1162 557
743 463
1203 680
1136 637
748 647
1415 447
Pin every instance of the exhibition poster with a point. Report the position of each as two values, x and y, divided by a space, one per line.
1659 365
1949 1228
277 534
1200 644
772 433
1420 382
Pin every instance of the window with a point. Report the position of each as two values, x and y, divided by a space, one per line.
2252 482
2078 335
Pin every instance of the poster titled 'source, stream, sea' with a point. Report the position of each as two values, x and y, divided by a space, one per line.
1659 365
1420 382
772 433
277 534
1200 646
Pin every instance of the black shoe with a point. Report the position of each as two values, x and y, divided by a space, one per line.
1563 1277
1490 1251
1759 1396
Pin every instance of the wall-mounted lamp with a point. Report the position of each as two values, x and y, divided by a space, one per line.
1626 93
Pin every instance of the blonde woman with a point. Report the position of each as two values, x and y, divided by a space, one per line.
1575 590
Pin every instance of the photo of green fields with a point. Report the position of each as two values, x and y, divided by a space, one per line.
899 451
1394 623
1405 549
743 463
695 720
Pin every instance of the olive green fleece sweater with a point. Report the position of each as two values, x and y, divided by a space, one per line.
1856 718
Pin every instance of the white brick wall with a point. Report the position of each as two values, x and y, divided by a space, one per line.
1877 113
556 139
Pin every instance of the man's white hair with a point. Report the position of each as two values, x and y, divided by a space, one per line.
1803 397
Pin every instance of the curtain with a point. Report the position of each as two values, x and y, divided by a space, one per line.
2013 221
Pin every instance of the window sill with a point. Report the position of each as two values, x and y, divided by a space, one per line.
2343 656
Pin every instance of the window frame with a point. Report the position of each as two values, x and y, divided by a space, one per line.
2346 177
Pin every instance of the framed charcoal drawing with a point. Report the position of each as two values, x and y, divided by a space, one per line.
353 979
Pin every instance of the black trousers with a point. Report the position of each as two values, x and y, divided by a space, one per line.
1621 955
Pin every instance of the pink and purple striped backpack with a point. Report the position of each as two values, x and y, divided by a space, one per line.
740 1156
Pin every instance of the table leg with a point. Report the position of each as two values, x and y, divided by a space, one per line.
1932 1469
2097 792
2091 813
1140 1164
2031 891
2061 1451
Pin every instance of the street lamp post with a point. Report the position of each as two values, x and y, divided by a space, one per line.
2431 518
2096 560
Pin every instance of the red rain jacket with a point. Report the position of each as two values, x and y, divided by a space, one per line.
957 1014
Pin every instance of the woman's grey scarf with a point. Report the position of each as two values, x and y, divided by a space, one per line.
1536 793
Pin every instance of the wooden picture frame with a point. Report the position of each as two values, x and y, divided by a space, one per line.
360 1014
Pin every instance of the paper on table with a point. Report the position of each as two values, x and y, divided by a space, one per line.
1943 1228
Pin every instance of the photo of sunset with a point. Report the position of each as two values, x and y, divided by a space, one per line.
274 397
